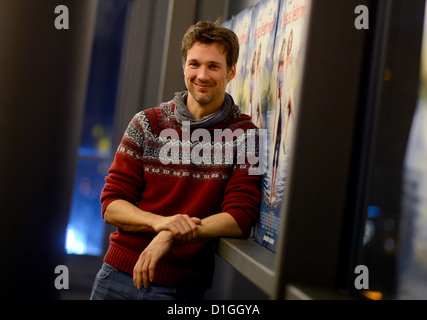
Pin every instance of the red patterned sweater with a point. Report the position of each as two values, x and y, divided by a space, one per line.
140 177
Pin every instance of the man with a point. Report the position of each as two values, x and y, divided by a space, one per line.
168 212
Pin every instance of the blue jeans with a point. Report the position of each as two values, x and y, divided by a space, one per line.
113 284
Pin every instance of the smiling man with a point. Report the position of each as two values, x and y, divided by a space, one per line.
167 215
206 76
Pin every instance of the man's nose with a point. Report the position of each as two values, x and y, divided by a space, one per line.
203 74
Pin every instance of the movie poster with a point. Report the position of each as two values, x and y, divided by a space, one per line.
241 25
259 60
228 24
279 95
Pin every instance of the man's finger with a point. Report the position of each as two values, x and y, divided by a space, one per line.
151 270
137 278
196 220
145 273
175 231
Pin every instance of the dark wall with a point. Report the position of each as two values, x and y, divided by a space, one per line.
43 73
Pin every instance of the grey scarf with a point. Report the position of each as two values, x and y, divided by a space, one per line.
183 114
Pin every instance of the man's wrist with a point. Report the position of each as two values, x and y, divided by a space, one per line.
153 221
167 236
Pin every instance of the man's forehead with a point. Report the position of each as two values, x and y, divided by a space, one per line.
213 52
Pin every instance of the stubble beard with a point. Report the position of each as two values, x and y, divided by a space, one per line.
204 99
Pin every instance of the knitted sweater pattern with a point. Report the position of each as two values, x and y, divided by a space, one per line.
140 175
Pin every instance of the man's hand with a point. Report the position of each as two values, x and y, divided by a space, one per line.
215 226
145 267
182 227
129 218
179 227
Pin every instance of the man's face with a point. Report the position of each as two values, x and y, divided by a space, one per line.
206 77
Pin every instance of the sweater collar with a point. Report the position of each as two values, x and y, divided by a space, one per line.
183 114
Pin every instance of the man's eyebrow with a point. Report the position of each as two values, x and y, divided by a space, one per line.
208 62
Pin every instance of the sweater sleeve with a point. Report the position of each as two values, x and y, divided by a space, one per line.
242 197
125 177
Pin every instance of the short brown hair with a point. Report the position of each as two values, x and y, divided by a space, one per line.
209 32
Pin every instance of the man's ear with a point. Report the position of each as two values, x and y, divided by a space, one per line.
231 73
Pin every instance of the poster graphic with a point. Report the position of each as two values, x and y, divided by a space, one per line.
228 24
241 25
259 61
284 70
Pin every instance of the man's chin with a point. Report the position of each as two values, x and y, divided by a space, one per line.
203 100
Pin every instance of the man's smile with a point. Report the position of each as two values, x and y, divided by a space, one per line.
203 86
